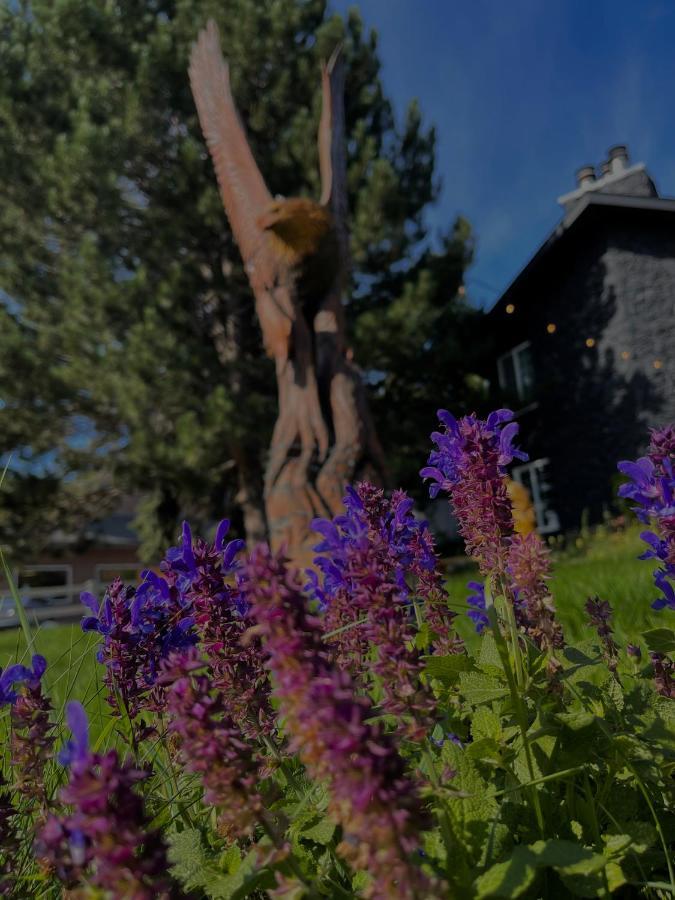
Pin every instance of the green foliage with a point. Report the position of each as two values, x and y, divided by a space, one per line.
607 567
130 357
547 789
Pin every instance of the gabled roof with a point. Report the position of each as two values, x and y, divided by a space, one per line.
591 202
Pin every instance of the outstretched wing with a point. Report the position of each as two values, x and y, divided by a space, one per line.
332 145
245 195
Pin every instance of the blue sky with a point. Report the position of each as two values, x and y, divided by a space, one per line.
524 92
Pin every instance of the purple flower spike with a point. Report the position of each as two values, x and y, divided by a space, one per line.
371 560
476 600
18 674
469 464
31 737
651 486
76 751
328 725
106 839
8 678
529 568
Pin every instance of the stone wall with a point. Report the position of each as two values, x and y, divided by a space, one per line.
611 281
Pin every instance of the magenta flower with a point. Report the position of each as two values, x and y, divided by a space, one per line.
106 839
470 464
599 615
211 744
207 577
363 560
664 674
31 738
327 725
140 627
651 486
476 603
529 569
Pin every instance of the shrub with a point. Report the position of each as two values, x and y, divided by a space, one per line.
328 733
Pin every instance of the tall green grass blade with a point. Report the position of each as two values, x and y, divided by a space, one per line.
20 611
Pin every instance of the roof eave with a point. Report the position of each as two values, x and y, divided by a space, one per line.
590 199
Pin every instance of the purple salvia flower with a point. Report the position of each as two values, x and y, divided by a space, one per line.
476 602
470 464
364 558
600 614
651 486
207 575
327 723
31 738
106 839
140 628
529 569
212 746
664 674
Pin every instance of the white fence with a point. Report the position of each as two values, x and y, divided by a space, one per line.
53 609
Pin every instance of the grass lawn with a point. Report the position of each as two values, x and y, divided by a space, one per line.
607 567
73 672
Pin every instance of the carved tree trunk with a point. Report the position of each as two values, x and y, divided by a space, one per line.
296 256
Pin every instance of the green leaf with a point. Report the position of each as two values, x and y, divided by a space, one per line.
508 879
579 657
660 640
485 748
187 856
321 832
575 864
488 658
485 723
447 668
567 857
193 868
614 694
576 721
478 688
475 811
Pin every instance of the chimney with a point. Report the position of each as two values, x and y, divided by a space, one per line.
585 176
616 175
618 158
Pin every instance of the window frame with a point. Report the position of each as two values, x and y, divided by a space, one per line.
27 590
46 567
514 354
548 520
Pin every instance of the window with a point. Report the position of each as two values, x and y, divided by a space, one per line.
35 583
534 477
516 373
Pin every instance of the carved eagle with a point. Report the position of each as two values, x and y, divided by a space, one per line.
294 249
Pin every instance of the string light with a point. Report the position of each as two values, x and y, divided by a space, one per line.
625 354
510 308
551 327
590 342
657 364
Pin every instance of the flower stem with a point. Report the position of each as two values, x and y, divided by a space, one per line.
520 712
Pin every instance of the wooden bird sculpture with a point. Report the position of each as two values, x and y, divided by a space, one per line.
295 253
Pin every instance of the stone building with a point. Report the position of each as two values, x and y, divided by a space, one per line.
584 340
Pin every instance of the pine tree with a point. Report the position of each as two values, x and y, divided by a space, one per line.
130 358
